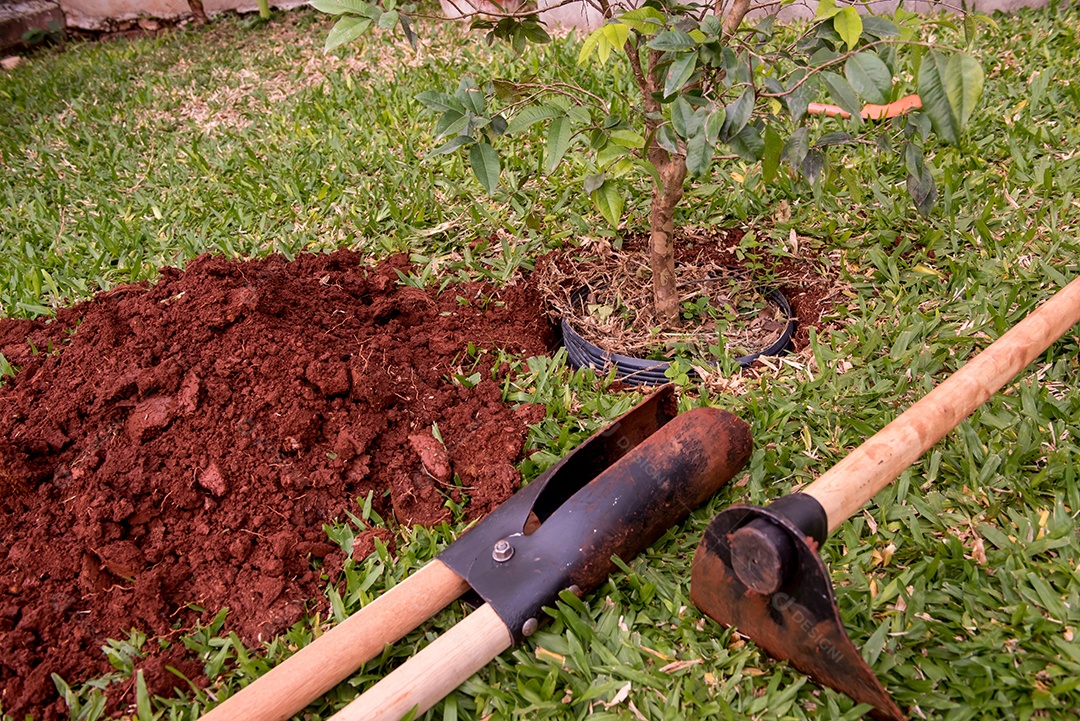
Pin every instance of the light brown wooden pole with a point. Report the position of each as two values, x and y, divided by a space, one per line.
426 678
844 488
869 112
318 667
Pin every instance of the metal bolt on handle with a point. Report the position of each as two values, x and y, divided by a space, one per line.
502 550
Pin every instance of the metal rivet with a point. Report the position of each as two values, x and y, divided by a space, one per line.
502 551
529 627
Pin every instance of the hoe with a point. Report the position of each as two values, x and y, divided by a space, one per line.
758 569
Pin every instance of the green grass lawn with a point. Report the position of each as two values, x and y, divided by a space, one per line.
960 582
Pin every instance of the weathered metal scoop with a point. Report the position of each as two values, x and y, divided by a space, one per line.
786 604
758 569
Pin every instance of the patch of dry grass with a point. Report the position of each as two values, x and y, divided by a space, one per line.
608 298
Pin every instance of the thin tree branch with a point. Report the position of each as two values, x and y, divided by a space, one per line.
735 16
821 68
633 54
573 92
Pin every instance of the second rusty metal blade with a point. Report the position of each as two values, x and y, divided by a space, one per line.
799 622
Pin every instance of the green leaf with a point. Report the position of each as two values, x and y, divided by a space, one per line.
770 159
796 147
737 114
142 698
825 10
440 101
833 139
869 76
672 40
627 139
450 146
844 95
506 90
410 35
344 31
593 182
621 168
679 72
699 155
602 41
646 20
682 116
535 32
920 181
609 153
797 99
451 123
963 86
609 202
812 165
338 7
849 26
617 34
822 56
580 115
388 20
485 166
879 27
558 141
712 26
666 139
935 98
530 116
648 168
715 124
908 23
470 95
589 46
923 192
748 144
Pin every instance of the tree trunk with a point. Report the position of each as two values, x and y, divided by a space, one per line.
197 11
666 195
661 245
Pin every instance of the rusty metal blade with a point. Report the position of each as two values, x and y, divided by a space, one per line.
798 623
619 512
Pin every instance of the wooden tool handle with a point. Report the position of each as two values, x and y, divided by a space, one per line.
844 488
326 661
426 678
871 111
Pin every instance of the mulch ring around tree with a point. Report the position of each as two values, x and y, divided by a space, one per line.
623 286
172 449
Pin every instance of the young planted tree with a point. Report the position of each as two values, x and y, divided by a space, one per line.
703 78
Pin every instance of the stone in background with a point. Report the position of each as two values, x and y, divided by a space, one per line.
26 19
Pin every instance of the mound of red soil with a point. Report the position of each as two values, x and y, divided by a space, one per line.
177 447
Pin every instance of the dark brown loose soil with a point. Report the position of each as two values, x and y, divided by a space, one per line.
178 447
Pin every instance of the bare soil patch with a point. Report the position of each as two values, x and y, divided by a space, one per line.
172 448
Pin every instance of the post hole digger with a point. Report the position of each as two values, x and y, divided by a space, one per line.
613 496
758 569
